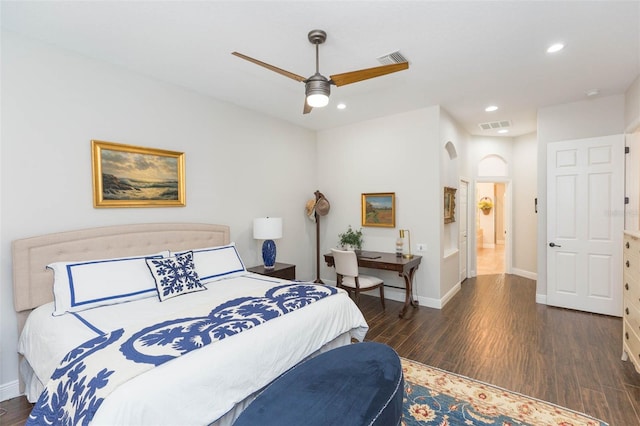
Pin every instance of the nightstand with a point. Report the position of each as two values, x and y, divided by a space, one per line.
280 270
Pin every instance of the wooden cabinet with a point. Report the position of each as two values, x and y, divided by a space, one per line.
631 300
280 270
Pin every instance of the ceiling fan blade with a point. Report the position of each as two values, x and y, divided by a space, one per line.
355 76
307 108
270 67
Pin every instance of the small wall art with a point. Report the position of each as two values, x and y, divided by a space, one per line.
379 209
132 176
449 204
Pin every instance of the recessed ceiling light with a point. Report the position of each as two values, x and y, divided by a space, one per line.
556 47
592 92
503 131
491 108
341 106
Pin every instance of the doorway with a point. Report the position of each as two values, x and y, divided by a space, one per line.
491 228
585 220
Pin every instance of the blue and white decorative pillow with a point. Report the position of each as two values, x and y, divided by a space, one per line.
86 284
216 263
175 275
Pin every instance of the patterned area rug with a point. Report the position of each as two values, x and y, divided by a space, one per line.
437 397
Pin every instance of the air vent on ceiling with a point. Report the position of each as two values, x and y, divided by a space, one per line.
495 125
392 58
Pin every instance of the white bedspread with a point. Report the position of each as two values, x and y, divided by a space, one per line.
203 385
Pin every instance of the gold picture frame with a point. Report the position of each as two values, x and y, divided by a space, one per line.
449 204
379 209
133 176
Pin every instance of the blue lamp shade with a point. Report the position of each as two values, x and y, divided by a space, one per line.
268 229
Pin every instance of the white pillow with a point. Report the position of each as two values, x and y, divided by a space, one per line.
87 284
175 275
216 263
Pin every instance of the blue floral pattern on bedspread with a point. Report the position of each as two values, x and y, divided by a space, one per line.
81 382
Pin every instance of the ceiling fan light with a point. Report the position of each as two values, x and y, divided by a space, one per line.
318 100
317 90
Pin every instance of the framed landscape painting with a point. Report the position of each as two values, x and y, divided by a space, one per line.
449 205
132 176
379 209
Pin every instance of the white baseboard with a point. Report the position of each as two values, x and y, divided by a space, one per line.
525 274
398 295
9 390
429 302
541 299
391 294
456 288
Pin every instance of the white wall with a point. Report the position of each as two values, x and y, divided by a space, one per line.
580 120
454 165
632 106
239 165
577 120
404 154
524 193
398 153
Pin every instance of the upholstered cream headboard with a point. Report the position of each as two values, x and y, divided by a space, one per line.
33 282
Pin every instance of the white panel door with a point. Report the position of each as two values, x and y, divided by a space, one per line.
463 225
585 222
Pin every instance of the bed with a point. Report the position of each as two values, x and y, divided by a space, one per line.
233 344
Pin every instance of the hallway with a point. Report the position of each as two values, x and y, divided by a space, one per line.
491 260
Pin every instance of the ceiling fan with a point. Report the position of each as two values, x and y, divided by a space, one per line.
318 87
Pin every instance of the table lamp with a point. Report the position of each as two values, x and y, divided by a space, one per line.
402 233
268 229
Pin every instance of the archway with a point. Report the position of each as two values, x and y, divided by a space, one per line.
493 222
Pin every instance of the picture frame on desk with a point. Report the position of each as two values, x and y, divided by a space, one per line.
379 209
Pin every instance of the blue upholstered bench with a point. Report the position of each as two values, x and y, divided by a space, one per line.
358 384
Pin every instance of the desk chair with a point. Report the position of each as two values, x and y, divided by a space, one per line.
349 278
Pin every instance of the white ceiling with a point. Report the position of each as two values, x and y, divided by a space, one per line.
463 55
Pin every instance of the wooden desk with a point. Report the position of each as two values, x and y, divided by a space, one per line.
406 268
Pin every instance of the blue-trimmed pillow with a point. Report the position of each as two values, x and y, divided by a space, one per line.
216 263
87 284
175 275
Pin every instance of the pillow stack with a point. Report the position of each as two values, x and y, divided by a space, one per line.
88 284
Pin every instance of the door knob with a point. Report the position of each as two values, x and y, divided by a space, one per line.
554 245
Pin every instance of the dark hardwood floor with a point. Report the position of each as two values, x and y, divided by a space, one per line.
493 331
14 412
